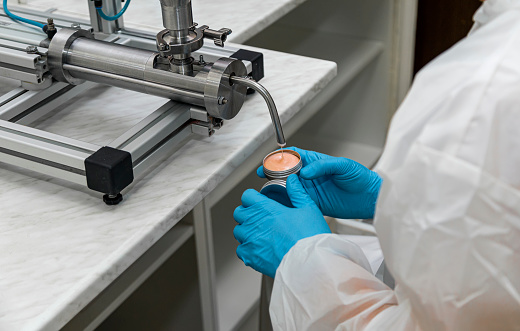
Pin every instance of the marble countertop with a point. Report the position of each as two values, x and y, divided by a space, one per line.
244 18
61 246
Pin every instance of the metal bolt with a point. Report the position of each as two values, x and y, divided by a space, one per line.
50 24
76 26
162 47
222 100
31 49
201 60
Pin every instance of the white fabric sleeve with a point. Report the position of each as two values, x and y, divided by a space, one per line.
325 283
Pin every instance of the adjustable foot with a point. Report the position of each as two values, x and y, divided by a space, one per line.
112 200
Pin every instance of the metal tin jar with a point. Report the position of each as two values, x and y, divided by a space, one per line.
275 188
282 174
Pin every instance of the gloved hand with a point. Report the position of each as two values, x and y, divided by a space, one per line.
340 187
267 230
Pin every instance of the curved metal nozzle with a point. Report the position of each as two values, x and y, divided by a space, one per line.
270 103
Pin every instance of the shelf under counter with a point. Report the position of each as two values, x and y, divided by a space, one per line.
351 54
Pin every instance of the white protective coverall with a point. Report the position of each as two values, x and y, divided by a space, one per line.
448 215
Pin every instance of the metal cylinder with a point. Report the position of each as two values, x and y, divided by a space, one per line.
182 64
108 57
74 56
177 16
126 61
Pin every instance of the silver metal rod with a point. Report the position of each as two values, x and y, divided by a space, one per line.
270 103
58 99
43 147
20 100
151 131
135 84
50 138
11 55
110 7
142 165
43 168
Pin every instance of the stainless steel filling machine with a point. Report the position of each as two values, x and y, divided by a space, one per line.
206 84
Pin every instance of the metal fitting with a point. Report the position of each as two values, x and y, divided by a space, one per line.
31 50
222 101
162 47
219 37
50 24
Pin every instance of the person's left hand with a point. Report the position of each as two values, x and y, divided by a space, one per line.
267 230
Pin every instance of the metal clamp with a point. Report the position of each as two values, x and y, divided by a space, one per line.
219 37
167 48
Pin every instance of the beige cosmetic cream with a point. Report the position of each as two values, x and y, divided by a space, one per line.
282 163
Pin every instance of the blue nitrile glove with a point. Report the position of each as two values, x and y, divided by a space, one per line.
267 230
340 187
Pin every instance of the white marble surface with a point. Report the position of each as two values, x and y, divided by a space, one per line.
245 18
61 246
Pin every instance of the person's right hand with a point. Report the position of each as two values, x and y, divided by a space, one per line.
341 187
